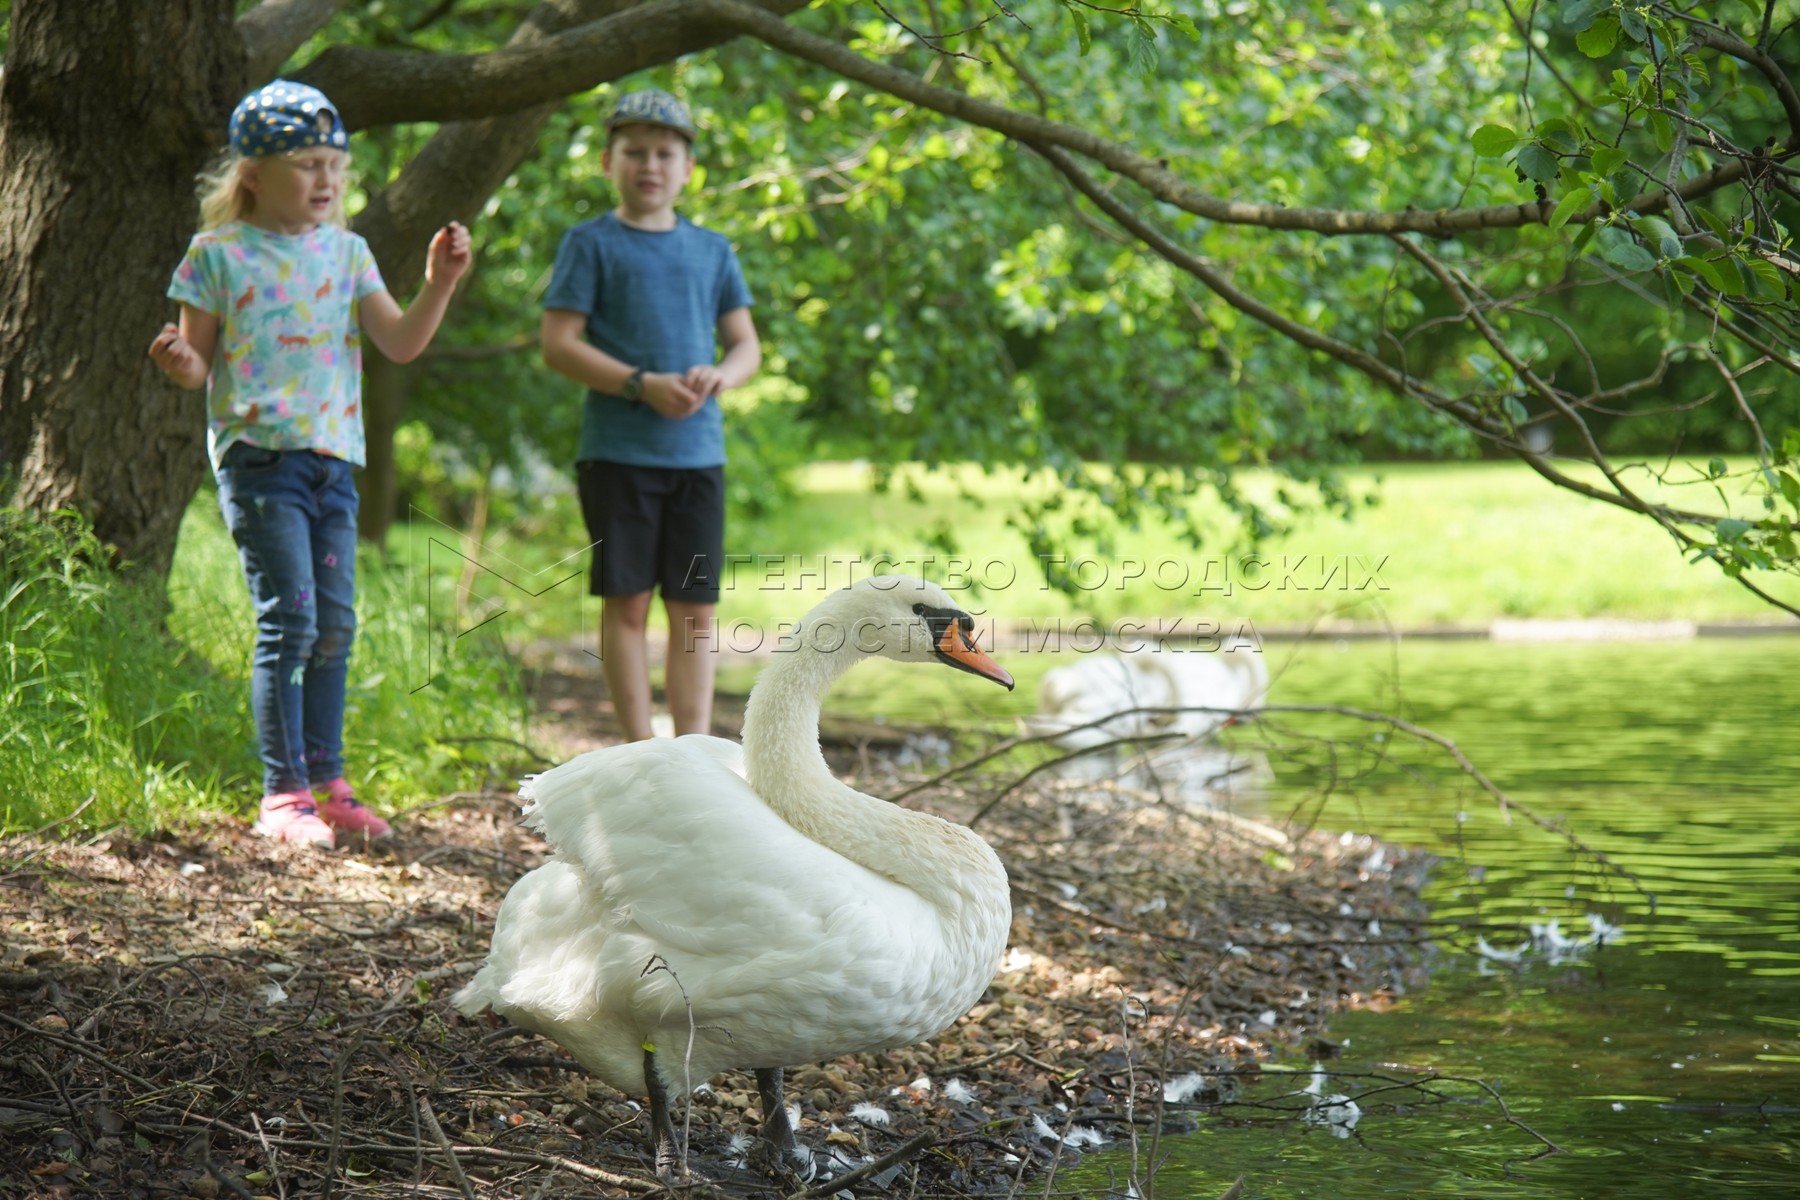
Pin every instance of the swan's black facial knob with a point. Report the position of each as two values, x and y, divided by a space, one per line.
953 641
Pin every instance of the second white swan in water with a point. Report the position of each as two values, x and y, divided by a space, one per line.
712 908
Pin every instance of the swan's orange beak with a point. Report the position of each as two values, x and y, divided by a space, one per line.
957 645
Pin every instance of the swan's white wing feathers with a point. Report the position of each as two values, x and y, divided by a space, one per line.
665 856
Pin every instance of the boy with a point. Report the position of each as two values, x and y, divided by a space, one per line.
634 303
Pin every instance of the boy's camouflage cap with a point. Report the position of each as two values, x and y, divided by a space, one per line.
652 106
284 116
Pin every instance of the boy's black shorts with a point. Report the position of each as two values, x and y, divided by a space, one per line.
654 526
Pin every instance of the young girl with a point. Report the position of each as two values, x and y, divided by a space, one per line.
272 291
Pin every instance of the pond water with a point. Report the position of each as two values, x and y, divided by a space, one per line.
1667 1065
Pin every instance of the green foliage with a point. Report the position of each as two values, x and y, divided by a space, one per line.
1763 540
934 292
930 292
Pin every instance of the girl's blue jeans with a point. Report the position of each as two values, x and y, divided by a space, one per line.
293 516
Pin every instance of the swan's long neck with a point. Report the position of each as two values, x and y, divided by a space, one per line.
781 725
786 767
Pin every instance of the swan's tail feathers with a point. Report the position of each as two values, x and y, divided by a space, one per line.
475 995
528 793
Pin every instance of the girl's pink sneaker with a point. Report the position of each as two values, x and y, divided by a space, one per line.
342 811
293 817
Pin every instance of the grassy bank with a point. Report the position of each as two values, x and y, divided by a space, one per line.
110 717
99 707
1440 545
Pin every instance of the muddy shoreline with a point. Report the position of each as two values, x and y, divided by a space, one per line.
206 1014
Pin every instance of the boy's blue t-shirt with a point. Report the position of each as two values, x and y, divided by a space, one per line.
652 299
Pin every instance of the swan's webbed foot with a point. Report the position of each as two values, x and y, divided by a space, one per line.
792 1169
670 1161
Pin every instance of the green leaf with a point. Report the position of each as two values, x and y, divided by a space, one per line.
1663 130
1538 163
1730 529
1790 487
1598 39
1767 272
1632 22
1579 198
1492 141
1140 48
1560 133
1083 38
1661 235
1627 255
1606 159
1716 467
1515 411
1579 14
1719 225
1734 278
1705 270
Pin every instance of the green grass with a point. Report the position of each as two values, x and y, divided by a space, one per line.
1442 545
99 704
99 710
105 710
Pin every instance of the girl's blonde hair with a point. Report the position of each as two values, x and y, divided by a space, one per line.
225 197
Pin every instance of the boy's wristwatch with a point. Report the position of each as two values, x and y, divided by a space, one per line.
634 386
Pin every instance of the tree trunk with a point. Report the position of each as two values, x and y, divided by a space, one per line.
108 109
386 386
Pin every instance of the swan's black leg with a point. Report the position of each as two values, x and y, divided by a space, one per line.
662 1130
778 1131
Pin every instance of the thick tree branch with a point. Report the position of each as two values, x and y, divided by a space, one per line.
274 29
465 161
1771 70
378 87
383 87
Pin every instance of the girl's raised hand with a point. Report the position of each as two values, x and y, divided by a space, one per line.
176 359
449 255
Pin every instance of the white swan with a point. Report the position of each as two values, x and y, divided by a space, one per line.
1231 677
1089 704
710 908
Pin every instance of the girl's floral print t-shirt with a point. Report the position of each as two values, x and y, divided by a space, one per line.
287 372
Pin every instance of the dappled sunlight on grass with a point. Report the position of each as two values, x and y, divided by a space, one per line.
1437 545
1429 545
